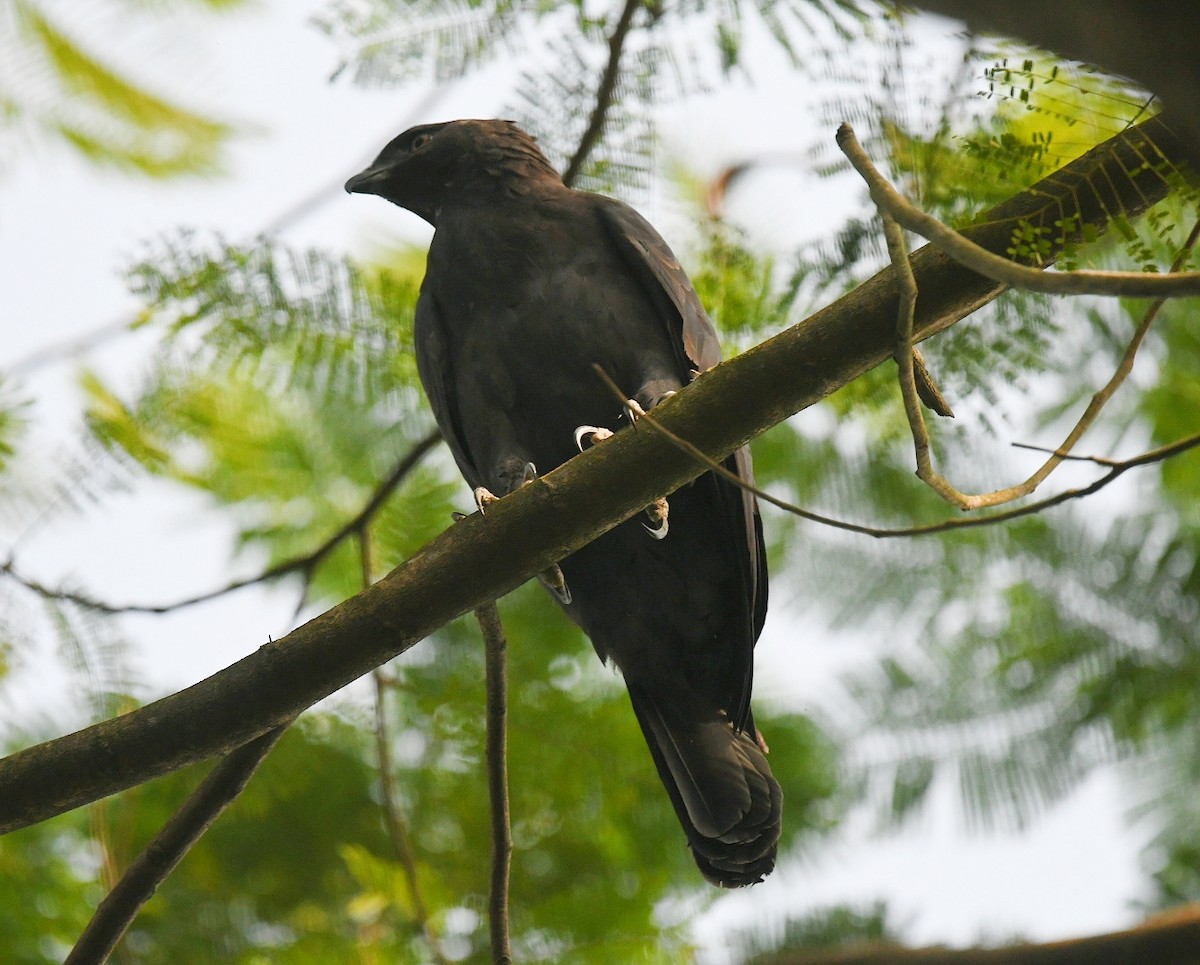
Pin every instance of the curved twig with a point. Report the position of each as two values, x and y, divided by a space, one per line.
301 564
958 522
891 207
1126 284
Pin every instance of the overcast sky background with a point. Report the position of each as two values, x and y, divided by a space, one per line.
66 231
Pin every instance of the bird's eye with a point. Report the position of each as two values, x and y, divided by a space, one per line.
420 141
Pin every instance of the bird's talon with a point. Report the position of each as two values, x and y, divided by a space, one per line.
657 512
457 517
593 434
484 498
528 473
633 411
553 580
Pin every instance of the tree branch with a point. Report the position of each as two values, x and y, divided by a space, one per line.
889 201
604 93
1173 940
1117 468
479 560
301 564
495 646
1120 284
159 858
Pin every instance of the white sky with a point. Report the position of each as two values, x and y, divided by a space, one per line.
66 230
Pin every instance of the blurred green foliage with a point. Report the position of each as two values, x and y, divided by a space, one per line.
55 85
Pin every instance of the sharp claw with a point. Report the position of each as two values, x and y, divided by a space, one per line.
457 517
593 433
657 513
553 580
528 473
484 498
634 411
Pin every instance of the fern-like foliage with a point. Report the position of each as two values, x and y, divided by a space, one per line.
13 420
826 928
391 41
281 317
564 49
52 81
285 387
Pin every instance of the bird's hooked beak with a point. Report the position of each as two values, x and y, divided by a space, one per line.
367 180
382 179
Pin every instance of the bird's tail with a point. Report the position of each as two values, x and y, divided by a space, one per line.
727 800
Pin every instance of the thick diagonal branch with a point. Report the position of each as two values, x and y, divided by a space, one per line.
478 560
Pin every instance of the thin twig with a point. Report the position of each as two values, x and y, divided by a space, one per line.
397 826
159 858
882 192
898 252
604 93
956 522
927 390
1099 399
497 767
304 564
1126 284
1066 456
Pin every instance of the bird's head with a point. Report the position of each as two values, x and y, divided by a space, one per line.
466 161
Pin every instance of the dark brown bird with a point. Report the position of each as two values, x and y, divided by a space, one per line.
529 284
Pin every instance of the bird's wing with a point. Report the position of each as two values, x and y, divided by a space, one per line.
656 265
434 368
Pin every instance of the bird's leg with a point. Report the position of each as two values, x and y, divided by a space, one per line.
634 410
656 513
512 474
552 576
553 580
